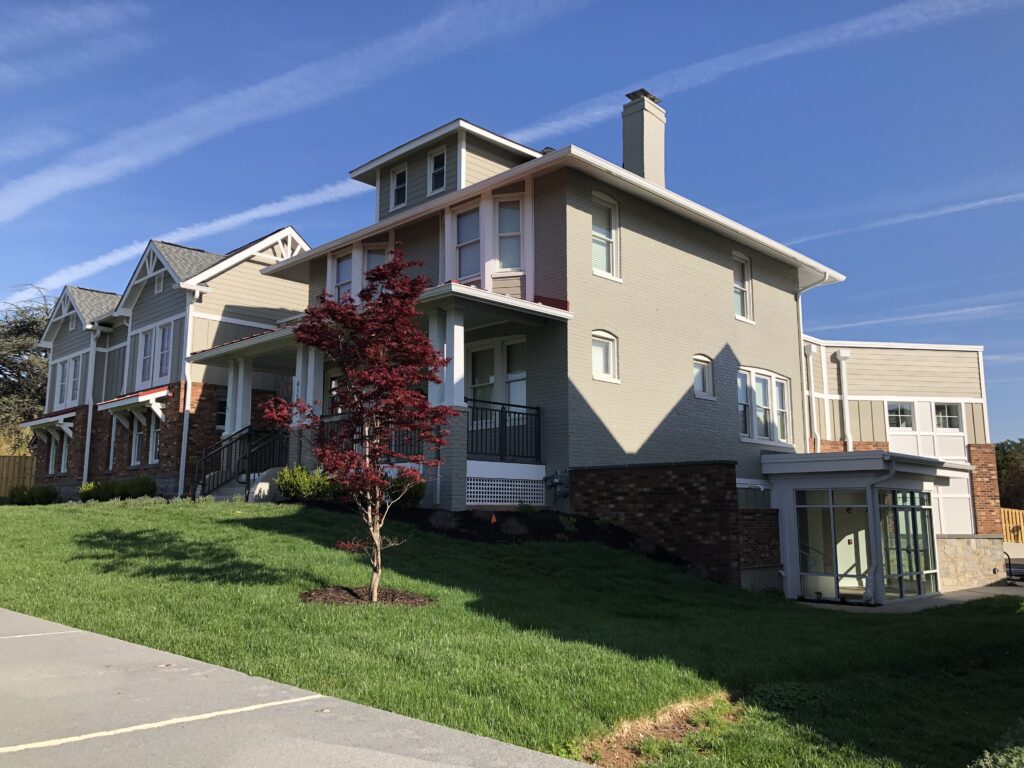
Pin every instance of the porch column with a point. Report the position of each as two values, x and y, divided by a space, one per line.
435 329
229 409
315 380
243 403
455 348
488 242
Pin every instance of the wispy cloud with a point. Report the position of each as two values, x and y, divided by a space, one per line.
977 312
328 193
460 25
904 218
1006 357
894 20
37 24
26 144
71 60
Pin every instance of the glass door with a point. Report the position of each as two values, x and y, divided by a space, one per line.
834 542
908 543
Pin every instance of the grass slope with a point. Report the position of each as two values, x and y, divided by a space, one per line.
541 645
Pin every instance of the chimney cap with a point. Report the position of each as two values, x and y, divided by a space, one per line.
642 93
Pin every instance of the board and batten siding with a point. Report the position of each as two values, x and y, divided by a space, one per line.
416 177
242 292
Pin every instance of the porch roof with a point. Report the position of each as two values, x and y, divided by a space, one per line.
50 419
276 343
858 461
450 292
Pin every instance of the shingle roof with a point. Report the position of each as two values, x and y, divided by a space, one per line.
187 262
251 243
93 304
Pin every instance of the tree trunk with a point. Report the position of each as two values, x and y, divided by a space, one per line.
375 559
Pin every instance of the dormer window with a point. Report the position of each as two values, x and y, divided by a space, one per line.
436 178
399 178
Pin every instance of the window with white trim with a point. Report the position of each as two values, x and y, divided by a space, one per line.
436 173
76 380
510 231
145 375
497 371
164 358
741 293
947 416
158 283
65 449
154 439
703 377
901 415
342 276
375 257
604 227
764 406
604 353
113 444
137 428
52 468
467 242
399 180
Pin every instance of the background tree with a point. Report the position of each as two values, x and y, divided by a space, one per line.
1010 465
371 449
23 370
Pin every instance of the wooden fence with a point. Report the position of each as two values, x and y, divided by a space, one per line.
15 470
1013 525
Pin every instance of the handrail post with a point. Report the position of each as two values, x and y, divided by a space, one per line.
502 432
536 447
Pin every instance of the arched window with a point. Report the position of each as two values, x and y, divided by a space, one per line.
604 356
703 377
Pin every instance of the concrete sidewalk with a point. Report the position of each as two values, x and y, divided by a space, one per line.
69 697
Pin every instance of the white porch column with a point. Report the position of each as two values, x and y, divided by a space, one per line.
229 410
358 269
528 240
243 403
315 380
455 348
436 331
449 258
488 242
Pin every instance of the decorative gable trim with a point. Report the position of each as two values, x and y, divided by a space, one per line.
63 308
151 264
276 247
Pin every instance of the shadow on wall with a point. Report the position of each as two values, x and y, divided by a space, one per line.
844 676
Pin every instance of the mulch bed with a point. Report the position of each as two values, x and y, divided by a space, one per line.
361 596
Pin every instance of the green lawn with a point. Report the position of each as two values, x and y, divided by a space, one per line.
543 645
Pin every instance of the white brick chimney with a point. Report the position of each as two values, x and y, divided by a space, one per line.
643 136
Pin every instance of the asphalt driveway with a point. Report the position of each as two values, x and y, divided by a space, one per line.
69 697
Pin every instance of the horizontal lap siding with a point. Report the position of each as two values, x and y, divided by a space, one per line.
151 307
484 160
67 342
416 177
244 293
913 372
422 242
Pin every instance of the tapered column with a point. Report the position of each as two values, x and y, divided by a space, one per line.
229 410
243 403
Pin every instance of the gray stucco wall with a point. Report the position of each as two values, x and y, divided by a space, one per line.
674 302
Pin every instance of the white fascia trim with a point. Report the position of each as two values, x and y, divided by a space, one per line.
238 346
505 470
195 283
583 160
892 344
45 420
488 297
434 135
854 461
136 399
126 303
234 321
753 482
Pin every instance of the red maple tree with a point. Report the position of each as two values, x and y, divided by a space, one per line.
375 445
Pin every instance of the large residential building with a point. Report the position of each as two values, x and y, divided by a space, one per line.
619 350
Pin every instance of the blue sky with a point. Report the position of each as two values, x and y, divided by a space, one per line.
880 138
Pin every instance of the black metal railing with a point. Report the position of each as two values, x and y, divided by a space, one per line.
503 431
238 458
331 433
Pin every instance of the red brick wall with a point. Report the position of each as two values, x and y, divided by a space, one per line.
838 446
68 481
988 517
689 509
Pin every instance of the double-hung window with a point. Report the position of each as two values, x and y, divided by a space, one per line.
146 358
604 353
65 449
399 180
154 439
703 378
342 276
163 371
62 383
901 415
76 380
467 242
741 299
53 454
375 257
436 177
947 416
510 249
764 406
137 427
604 226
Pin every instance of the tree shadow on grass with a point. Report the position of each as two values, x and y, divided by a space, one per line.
162 554
920 689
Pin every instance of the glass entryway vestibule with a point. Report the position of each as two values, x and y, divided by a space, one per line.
838 547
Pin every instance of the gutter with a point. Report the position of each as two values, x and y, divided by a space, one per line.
90 383
841 357
808 362
809 382
873 574
186 406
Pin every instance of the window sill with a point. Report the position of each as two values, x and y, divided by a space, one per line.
771 443
703 396
509 273
606 275
743 319
607 379
396 208
436 191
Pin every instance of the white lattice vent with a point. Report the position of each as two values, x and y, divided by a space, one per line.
505 491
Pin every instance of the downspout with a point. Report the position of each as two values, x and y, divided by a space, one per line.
809 372
89 383
841 357
186 406
809 382
876 538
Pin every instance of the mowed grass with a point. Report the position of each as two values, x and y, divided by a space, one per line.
542 645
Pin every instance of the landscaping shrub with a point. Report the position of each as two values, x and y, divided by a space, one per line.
24 495
1009 753
414 496
299 484
105 490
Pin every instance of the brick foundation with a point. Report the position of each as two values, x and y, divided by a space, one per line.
689 509
988 517
839 446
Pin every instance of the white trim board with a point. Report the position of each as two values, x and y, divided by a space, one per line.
505 470
234 321
891 344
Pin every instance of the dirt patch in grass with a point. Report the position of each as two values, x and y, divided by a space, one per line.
621 747
361 596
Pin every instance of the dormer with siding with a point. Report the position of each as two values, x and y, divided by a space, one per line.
447 159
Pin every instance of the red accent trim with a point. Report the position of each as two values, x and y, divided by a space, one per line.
72 409
556 303
140 393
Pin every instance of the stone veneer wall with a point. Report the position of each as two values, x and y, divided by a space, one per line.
689 509
967 561
988 516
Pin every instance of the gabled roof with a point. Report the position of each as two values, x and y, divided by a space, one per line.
186 262
91 303
281 244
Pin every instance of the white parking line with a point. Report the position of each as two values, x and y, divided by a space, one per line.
150 726
41 634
